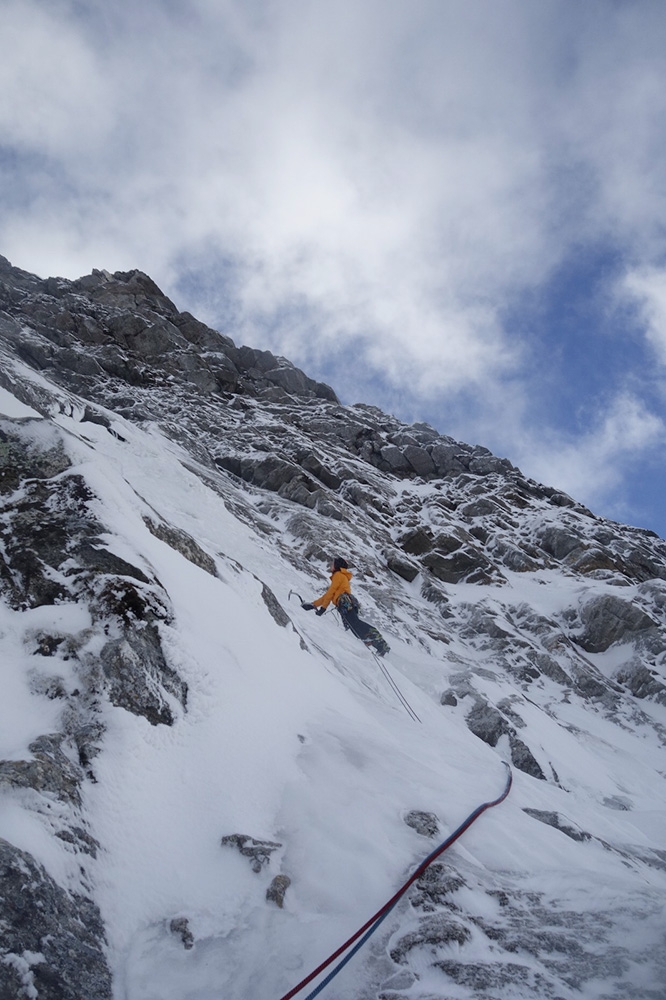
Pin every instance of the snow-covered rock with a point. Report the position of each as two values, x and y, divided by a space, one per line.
164 495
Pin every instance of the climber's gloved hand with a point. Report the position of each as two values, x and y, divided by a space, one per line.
321 611
308 607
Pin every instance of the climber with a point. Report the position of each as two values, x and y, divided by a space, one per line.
339 593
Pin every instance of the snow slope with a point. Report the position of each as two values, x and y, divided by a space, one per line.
308 747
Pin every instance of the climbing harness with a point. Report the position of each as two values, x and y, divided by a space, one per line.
347 602
371 925
394 687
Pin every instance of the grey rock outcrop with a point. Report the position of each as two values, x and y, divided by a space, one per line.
435 887
181 927
489 724
434 933
179 540
609 619
553 819
51 941
258 851
49 770
425 823
277 890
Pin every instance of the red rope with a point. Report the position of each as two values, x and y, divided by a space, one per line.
403 889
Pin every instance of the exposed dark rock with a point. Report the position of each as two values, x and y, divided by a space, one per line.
514 558
51 941
51 687
446 544
435 886
588 684
466 564
21 459
449 457
482 977
50 771
258 851
549 666
608 619
617 802
181 927
489 725
558 541
506 708
183 543
425 823
559 939
483 463
394 459
417 542
402 567
371 503
593 561
553 819
642 682
301 489
277 612
48 644
96 557
87 737
523 758
310 463
481 623
80 840
44 525
271 473
432 933
480 508
277 889
137 675
640 565
420 461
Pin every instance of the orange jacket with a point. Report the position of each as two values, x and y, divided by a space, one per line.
339 586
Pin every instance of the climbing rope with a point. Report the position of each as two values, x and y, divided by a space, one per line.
396 690
371 925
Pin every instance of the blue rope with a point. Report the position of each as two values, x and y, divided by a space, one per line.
357 947
382 914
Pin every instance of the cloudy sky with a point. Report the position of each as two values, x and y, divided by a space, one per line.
453 209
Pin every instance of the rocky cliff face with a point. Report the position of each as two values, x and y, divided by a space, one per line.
532 612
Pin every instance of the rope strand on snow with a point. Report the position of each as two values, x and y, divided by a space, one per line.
403 701
371 925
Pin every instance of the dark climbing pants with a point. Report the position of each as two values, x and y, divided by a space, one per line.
362 630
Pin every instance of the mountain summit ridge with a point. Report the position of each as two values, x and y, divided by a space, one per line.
163 491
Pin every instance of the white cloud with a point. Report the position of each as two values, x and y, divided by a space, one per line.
592 466
647 288
52 82
351 156
378 178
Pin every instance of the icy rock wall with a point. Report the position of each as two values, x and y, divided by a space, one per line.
523 600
